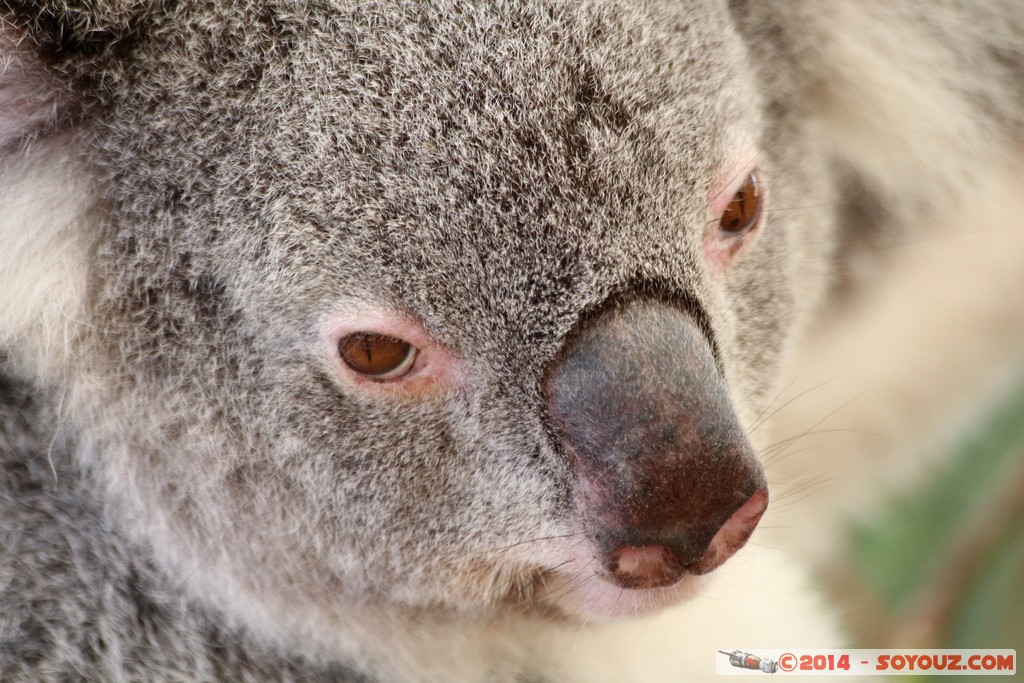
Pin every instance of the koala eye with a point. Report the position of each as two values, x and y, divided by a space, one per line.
377 356
744 208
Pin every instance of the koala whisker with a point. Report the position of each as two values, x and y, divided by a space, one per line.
810 430
788 209
549 570
775 452
783 454
579 579
583 621
617 598
735 177
766 546
799 491
808 207
779 394
534 540
921 237
762 418
199 565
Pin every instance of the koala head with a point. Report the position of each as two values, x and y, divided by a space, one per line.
421 307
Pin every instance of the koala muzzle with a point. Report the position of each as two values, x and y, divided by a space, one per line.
666 482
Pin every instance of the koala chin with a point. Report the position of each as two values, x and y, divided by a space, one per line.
403 341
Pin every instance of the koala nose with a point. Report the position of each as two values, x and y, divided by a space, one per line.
666 482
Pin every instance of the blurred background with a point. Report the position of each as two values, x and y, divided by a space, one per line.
897 454
943 565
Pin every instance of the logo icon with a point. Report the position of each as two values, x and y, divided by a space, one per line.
745 660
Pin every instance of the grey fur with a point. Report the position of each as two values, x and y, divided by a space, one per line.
188 494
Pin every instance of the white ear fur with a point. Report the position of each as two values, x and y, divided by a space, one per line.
898 107
44 235
28 98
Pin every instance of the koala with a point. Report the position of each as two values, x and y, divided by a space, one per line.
403 341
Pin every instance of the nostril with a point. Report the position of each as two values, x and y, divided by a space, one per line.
654 560
746 518
733 534
648 566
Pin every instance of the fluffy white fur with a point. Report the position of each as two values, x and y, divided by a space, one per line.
48 236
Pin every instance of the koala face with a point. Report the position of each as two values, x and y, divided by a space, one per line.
369 280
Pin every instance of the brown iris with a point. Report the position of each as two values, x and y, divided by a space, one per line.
376 356
745 208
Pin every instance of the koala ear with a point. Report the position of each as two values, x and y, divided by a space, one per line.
29 96
45 232
51 51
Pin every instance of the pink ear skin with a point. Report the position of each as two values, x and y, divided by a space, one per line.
29 100
435 368
721 247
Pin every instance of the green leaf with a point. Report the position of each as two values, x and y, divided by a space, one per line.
950 556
